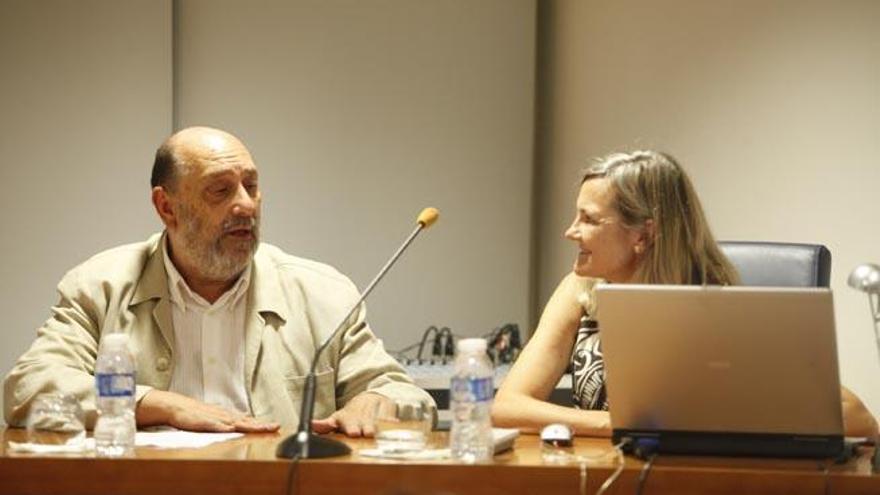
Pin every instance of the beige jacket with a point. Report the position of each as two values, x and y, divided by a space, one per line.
293 305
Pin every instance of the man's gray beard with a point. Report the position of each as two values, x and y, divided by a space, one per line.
210 258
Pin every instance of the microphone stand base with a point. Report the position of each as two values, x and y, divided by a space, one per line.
317 447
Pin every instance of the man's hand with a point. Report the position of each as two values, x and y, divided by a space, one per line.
356 418
158 407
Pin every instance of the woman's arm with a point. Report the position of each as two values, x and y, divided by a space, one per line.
857 419
522 400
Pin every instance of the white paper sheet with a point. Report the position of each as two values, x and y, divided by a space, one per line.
177 439
84 447
163 438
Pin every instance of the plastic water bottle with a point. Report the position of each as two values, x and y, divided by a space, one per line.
115 386
471 391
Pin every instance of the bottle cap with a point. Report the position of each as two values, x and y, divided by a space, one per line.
471 345
114 339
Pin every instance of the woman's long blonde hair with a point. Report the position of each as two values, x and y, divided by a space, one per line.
649 185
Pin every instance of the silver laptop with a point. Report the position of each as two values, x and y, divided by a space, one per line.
722 370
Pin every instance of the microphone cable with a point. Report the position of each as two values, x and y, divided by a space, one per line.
291 474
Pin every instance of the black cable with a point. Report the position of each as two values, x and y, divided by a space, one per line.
643 476
437 347
291 474
515 339
428 331
447 342
492 339
875 459
504 343
444 344
444 341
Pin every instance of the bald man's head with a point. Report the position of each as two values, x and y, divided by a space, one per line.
205 190
178 151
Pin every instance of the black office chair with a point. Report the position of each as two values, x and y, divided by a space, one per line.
780 264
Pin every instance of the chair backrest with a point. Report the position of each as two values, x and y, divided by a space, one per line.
780 264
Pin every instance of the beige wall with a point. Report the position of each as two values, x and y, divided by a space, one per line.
85 95
773 107
359 114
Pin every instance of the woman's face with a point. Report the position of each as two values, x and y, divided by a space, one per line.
606 247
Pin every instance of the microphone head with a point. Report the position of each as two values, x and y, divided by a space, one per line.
427 217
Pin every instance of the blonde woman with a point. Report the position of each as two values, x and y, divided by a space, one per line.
638 220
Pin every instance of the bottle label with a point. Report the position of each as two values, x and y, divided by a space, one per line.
472 389
115 384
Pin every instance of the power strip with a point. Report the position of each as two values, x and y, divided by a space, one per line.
435 379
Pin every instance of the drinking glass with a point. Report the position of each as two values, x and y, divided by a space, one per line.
402 427
55 419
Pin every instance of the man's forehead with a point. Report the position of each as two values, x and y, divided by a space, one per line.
221 168
216 156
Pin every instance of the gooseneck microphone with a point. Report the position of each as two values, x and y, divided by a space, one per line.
304 444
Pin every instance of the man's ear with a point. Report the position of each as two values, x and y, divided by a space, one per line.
162 203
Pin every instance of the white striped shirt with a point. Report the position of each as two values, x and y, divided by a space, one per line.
209 341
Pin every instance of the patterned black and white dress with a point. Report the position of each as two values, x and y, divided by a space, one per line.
588 368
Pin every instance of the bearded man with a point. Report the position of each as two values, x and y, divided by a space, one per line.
222 327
